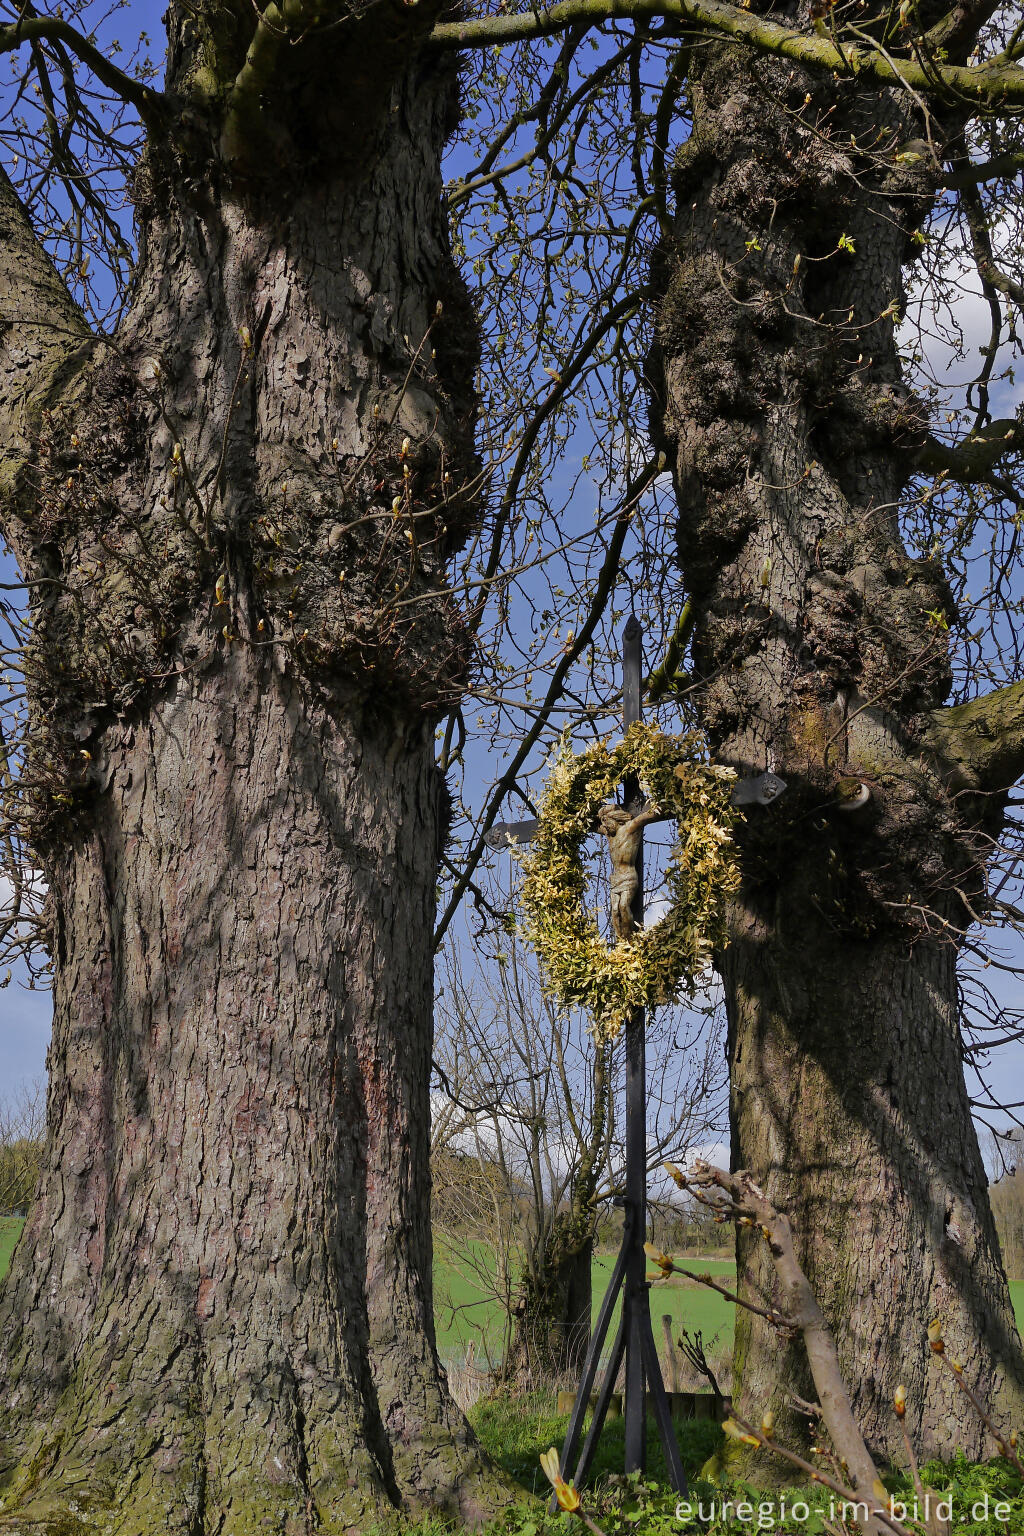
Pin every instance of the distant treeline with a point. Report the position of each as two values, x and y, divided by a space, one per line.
19 1174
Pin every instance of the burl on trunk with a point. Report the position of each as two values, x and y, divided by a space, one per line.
820 649
235 518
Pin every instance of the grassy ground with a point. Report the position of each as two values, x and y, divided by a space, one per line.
465 1309
10 1231
516 1430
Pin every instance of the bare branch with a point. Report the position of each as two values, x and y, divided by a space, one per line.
976 457
604 586
151 105
998 168
990 85
750 1205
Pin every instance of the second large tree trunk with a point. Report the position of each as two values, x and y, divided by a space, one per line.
821 650
849 1104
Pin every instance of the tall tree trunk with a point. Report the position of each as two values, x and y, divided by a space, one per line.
239 514
821 651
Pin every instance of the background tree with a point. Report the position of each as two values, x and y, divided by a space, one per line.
525 1090
22 1128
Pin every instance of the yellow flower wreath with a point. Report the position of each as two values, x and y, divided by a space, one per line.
657 964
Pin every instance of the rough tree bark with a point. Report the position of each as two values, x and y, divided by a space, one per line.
820 648
552 1325
235 518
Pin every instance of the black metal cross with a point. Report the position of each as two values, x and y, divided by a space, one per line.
634 1339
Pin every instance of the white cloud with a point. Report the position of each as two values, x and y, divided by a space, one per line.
714 1152
949 334
33 890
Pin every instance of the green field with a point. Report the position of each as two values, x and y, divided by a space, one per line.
10 1231
465 1311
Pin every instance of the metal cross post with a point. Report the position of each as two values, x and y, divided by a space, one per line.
634 1338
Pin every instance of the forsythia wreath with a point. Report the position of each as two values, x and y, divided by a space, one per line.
657 964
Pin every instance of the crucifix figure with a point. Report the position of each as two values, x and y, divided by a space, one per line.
624 831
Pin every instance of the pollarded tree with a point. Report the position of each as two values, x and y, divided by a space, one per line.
523 1087
22 1125
233 518
535 1104
236 516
